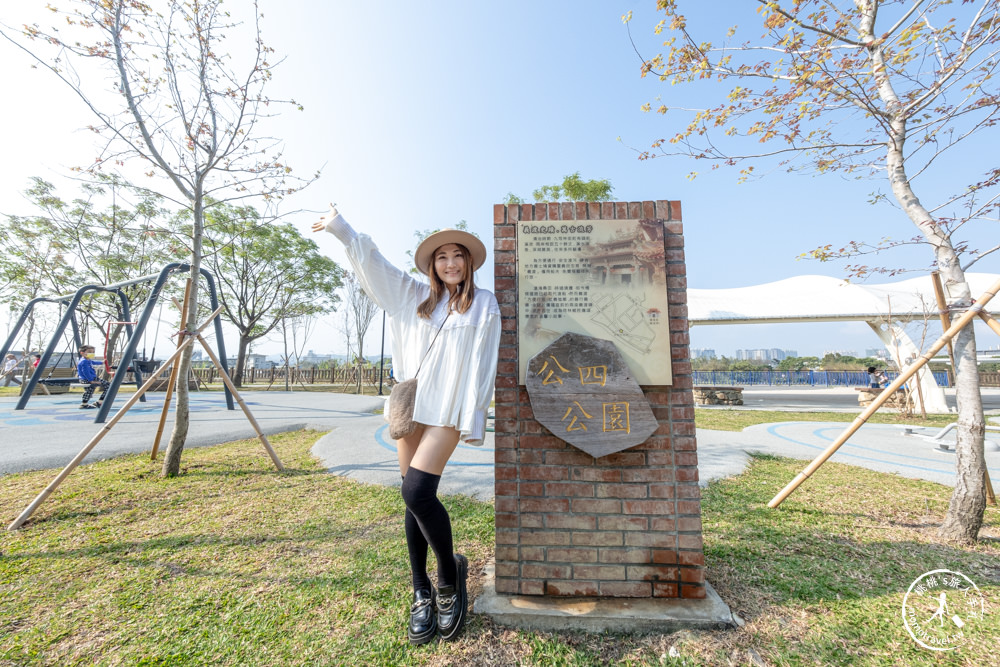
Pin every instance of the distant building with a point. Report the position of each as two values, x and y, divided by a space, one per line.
705 353
251 361
843 353
877 353
764 354
257 361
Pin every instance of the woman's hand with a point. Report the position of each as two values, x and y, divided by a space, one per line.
321 224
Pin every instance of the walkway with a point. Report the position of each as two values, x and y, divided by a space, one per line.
52 430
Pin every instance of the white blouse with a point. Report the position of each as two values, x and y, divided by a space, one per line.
455 383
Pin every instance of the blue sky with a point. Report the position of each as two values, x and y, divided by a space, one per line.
424 114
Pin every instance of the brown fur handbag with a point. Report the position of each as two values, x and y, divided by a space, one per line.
404 398
401 402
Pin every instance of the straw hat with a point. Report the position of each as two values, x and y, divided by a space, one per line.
423 257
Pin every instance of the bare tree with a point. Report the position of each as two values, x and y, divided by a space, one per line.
301 327
879 88
347 330
361 310
181 107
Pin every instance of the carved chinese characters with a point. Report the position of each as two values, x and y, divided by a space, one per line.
582 390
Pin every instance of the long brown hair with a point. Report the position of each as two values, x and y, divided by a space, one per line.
461 301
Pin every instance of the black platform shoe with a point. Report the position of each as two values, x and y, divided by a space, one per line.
423 621
452 602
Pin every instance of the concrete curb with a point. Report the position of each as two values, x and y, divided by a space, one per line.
596 615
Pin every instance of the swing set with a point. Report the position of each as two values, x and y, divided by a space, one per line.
70 306
185 339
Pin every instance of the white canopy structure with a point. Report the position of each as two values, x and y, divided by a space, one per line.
885 308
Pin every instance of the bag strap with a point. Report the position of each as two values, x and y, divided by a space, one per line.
421 364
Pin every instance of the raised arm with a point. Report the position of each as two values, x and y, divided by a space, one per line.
389 287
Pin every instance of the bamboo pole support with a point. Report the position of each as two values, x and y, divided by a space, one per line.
905 375
991 321
167 397
78 459
943 312
169 393
239 399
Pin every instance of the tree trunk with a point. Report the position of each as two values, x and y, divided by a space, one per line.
968 501
241 360
182 416
284 337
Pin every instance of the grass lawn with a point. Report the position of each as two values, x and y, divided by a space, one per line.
737 420
233 563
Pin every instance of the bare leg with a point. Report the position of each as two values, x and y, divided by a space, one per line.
407 447
428 448
437 444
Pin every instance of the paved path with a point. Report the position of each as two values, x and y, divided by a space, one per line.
52 430
833 399
363 450
881 447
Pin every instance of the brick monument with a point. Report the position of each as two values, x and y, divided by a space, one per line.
625 525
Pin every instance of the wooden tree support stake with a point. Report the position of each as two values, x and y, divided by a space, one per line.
992 323
168 394
239 399
910 370
78 459
943 313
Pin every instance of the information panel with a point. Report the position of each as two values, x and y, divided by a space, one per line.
601 278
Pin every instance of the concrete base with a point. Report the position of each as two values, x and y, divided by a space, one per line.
625 615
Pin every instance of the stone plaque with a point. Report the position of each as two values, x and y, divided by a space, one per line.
582 390
603 278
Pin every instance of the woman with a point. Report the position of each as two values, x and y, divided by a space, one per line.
449 331
876 378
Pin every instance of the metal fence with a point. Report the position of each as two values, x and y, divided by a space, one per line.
802 378
303 375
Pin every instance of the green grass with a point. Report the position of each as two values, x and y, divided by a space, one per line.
737 420
233 563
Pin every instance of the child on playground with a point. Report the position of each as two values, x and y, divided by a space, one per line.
10 364
85 370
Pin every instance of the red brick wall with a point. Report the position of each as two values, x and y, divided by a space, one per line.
624 525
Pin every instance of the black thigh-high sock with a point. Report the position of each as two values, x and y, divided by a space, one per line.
420 495
416 545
